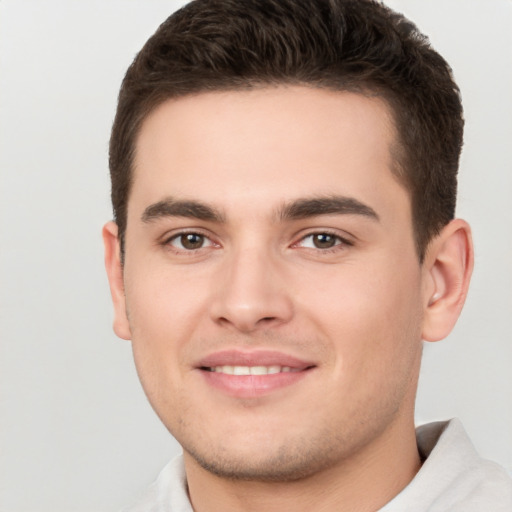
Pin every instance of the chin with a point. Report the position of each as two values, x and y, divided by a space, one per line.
293 460
275 468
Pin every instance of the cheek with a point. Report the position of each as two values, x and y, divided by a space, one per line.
371 314
164 313
377 345
163 303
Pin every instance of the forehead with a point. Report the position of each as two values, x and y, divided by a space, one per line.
265 146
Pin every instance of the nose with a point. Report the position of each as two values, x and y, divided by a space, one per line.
251 293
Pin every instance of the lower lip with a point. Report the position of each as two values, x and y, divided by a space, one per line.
251 386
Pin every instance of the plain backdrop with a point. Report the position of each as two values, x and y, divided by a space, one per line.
76 433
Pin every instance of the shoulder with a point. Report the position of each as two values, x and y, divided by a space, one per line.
453 477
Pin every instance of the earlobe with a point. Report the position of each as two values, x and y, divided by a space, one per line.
114 270
448 267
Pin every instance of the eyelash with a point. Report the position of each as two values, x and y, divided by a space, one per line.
340 242
167 242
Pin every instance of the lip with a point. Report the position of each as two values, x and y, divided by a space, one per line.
252 386
253 358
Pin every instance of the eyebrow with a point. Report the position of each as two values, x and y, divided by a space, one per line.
294 210
328 205
170 207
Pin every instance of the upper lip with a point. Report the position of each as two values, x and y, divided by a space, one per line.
253 358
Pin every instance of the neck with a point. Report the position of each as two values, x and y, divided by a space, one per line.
363 482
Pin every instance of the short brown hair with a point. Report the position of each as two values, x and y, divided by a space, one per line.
343 45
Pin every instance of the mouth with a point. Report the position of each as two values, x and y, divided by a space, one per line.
250 370
252 374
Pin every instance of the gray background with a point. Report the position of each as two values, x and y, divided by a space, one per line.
76 433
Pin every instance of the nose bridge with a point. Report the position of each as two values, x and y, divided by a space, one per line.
250 290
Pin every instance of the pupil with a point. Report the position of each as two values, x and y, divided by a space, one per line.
323 241
192 241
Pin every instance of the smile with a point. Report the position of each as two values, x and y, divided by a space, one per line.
251 370
252 374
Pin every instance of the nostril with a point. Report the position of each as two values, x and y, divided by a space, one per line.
267 320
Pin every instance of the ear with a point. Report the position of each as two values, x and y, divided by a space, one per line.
448 266
115 278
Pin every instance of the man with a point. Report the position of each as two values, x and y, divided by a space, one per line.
284 182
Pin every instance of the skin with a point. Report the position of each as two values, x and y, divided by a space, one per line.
262 278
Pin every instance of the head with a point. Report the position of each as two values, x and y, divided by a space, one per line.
350 45
284 178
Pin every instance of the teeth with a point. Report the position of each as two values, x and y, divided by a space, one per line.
258 370
251 370
241 370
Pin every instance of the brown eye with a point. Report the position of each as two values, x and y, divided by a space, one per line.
190 241
324 240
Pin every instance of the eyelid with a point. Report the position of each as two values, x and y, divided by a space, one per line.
342 241
177 233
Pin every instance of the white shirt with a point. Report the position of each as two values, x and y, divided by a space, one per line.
453 478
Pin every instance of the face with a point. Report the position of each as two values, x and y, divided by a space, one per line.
272 290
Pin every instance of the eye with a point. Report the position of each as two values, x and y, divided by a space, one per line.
190 241
321 241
